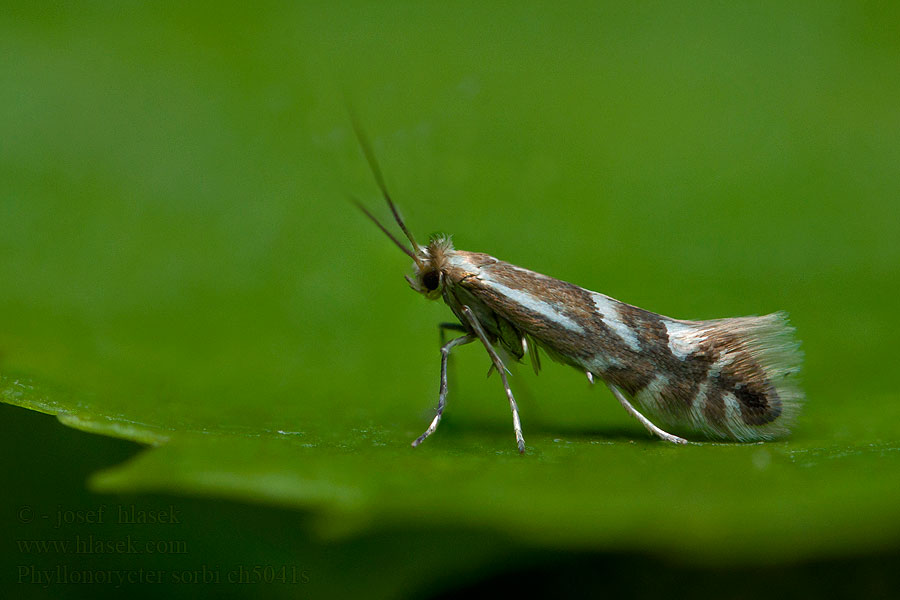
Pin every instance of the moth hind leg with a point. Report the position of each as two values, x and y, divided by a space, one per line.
443 328
642 419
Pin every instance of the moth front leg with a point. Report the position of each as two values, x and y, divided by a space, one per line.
498 364
442 397
443 327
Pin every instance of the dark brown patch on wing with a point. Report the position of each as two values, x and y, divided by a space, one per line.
757 406
756 396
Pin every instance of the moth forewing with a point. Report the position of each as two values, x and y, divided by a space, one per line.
726 378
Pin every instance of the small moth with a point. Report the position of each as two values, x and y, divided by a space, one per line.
733 379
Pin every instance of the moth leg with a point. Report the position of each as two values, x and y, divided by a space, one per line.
501 369
443 327
644 420
442 398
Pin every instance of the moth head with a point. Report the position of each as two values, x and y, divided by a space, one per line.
430 265
429 261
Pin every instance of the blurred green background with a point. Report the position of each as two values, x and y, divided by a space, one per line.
180 267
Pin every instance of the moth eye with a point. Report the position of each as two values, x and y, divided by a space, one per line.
431 280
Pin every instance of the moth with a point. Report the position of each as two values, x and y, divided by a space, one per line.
731 379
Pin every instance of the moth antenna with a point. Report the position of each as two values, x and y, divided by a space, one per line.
379 178
402 247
